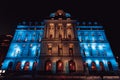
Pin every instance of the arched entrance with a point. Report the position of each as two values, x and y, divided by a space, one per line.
59 66
26 67
48 66
72 67
18 66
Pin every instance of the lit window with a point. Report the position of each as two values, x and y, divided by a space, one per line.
48 66
72 66
19 40
51 24
69 36
39 39
32 39
25 39
18 66
31 45
49 49
60 49
34 34
104 53
93 66
26 67
60 36
51 36
69 24
102 66
71 49
59 66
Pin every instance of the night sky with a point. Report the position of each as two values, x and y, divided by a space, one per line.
104 11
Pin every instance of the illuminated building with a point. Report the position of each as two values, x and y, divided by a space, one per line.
60 46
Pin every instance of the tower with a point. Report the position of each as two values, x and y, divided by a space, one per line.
60 46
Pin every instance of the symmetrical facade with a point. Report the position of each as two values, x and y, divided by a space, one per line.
60 45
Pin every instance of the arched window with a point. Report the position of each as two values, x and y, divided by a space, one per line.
34 66
69 30
26 67
93 66
10 65
18 66
51 30
59 66
48 66
110 66
102 66
72 67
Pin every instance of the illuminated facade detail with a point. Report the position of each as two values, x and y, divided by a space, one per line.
95 48
18 66
72 67
25 48
48 66
60 45
59 66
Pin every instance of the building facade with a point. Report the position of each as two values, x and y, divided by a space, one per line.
60 45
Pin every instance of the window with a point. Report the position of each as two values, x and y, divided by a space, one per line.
97 52
10 65
18 40
69 24
72 66
49 49
71 49
60 49
69 31
26 39
59 66
93 66
110 66
26 67
51 36
60 36
90 52
83 52
51 25
102 66
48 66
33 39
104 53
30 50
37 52
69 36
60 26
18 66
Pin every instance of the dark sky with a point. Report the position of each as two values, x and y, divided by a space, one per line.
104 11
